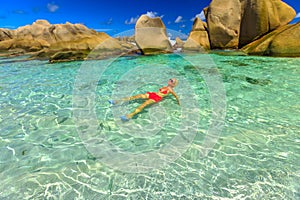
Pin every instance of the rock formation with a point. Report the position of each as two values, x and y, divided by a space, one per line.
223 21
263 16
62 40
151 36
235 23
257 27
198 38
284 41
5 34
178 43
287 43
43 30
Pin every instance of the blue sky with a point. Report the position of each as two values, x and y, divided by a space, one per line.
110 16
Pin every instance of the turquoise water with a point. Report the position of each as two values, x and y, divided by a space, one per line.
55 120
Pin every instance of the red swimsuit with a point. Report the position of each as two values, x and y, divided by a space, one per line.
155 97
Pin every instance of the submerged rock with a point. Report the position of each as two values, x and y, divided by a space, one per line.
234 52
261 82
151 36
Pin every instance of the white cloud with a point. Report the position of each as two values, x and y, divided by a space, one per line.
150 14
153 14
132 20
298 15
201 16
109 22
178 19
52 7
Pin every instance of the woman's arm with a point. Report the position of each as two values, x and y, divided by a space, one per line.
175 95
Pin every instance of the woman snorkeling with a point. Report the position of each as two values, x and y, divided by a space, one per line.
151 98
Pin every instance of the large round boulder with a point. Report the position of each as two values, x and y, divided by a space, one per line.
223 21
151 36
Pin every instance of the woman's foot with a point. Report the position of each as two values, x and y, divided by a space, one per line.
112 102
124 118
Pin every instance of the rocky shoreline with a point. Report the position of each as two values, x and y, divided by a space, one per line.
252 27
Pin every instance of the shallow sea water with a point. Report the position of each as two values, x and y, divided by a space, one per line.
60 139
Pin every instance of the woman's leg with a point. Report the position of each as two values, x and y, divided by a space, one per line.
138 96
140 108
